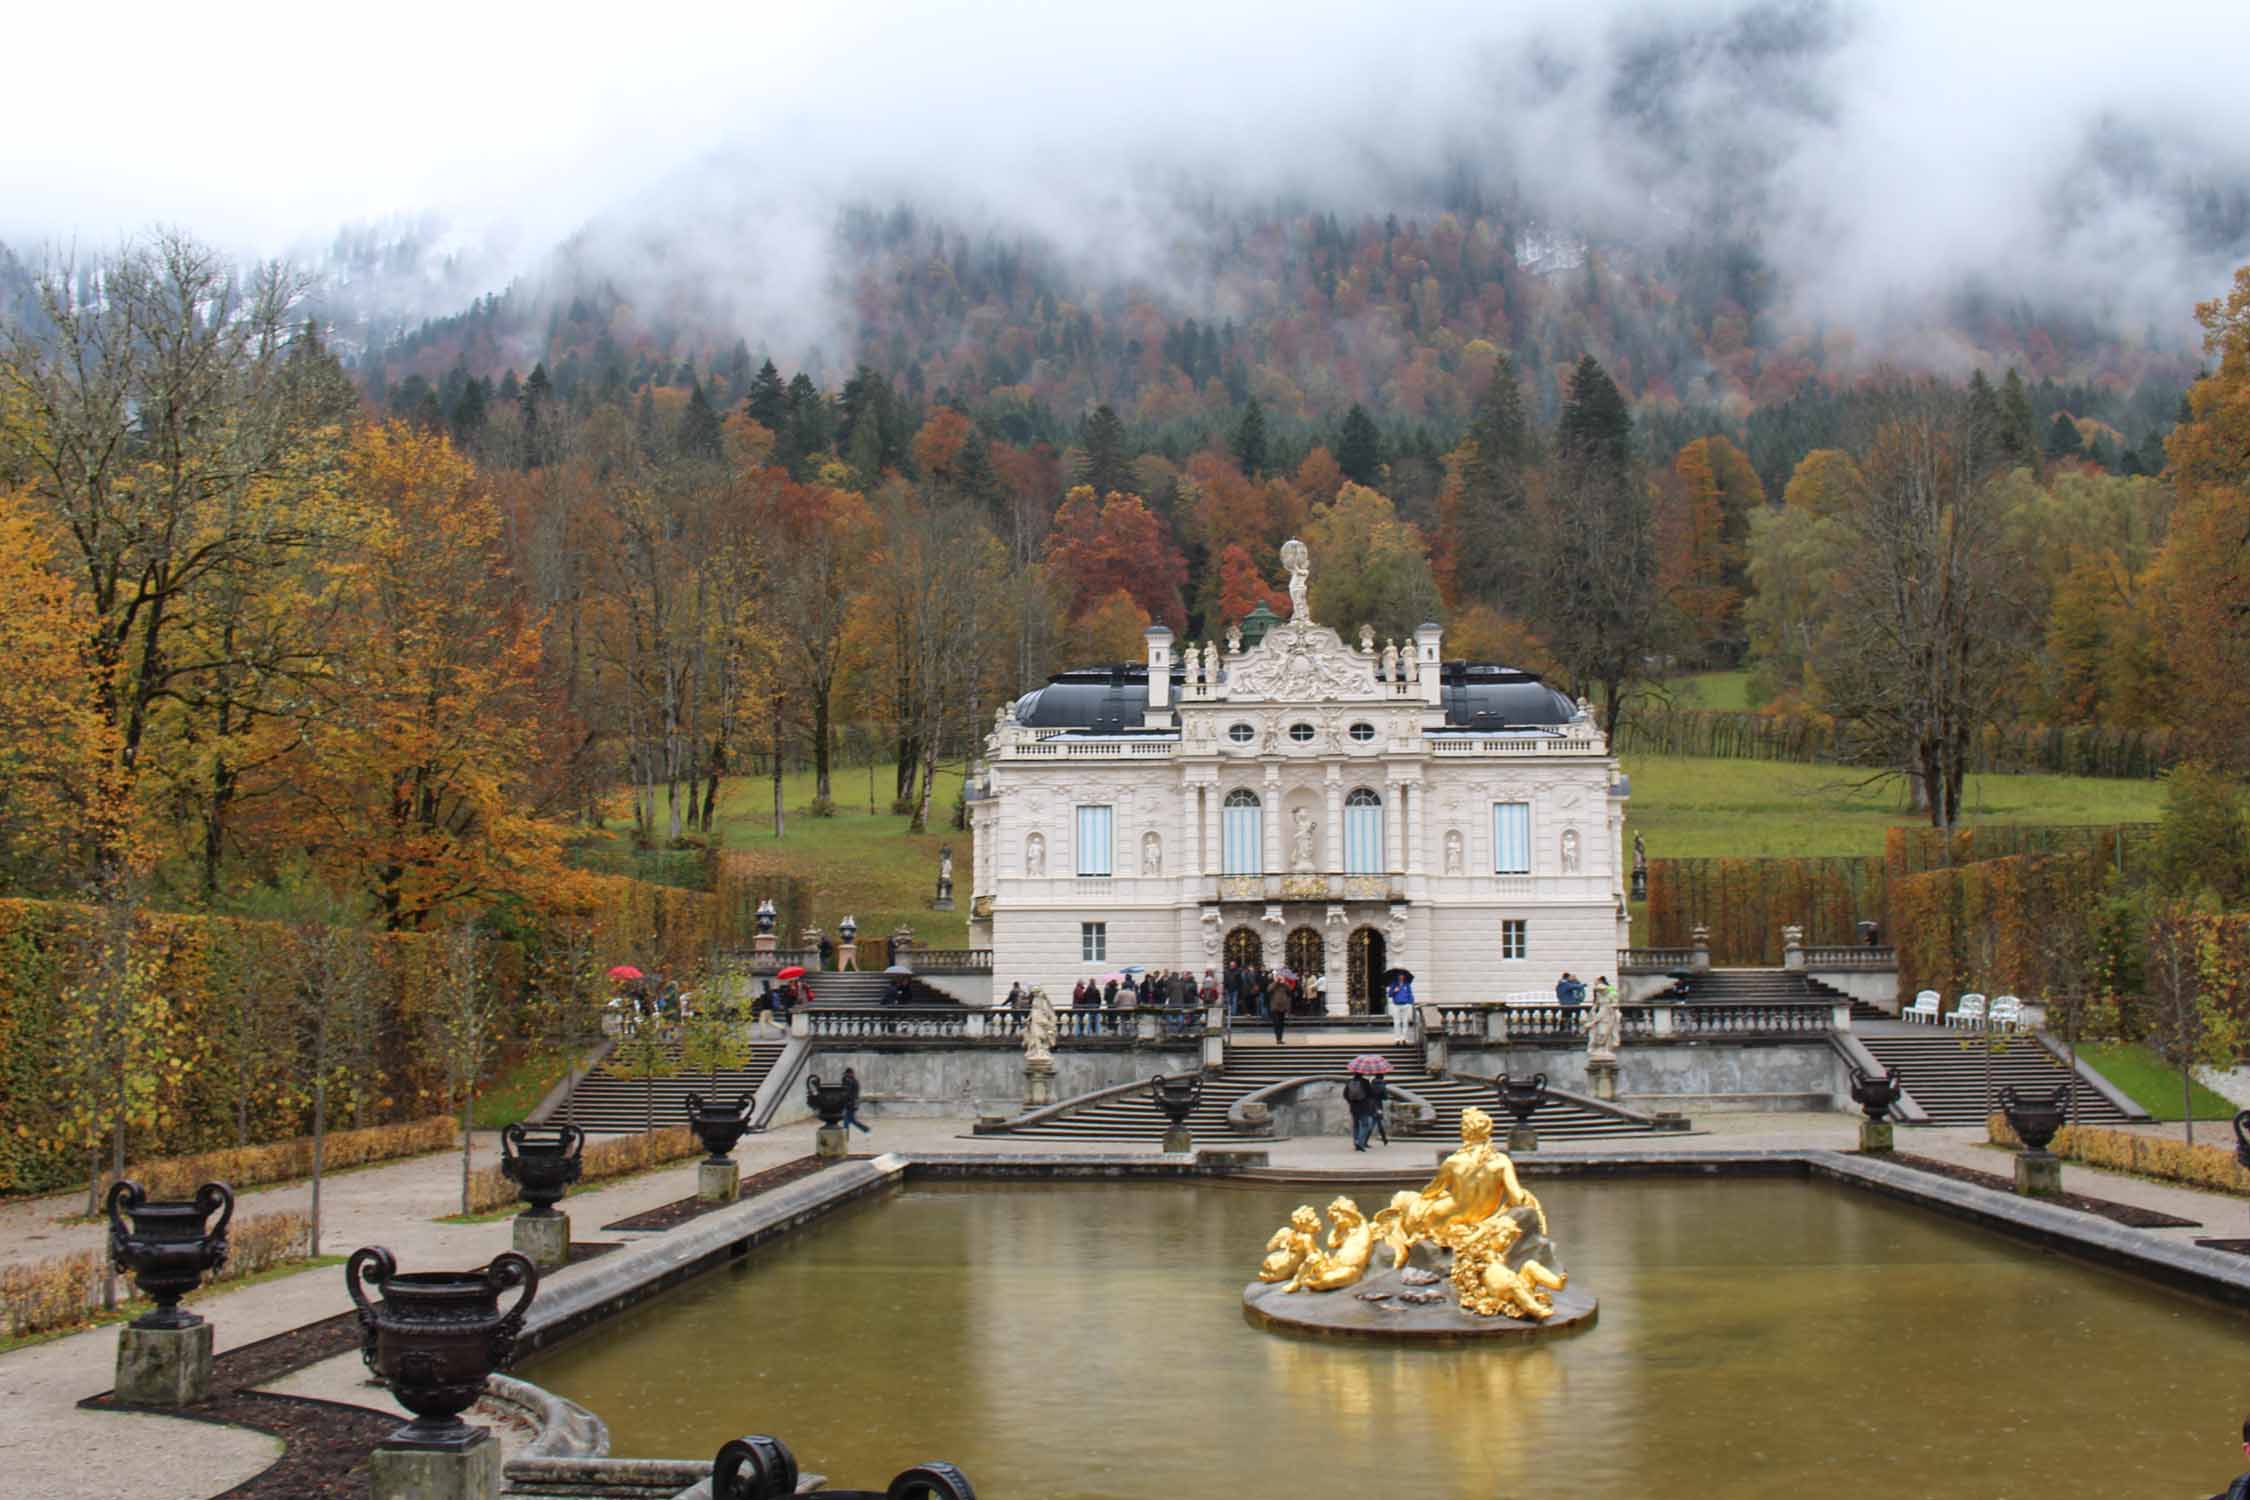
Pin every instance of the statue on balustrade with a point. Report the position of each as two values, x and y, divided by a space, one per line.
1606 1030
1039 1028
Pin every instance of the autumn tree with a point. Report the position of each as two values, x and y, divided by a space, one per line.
464 1023
1369 567
1101 545
1243 587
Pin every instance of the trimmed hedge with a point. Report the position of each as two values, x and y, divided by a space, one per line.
63 1290
1809 738
284 1161
2212 1167
490 1190
1746 902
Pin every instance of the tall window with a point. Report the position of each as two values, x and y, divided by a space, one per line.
1242 835
1511 838
1514 933
1363 833
1093 840
1093 942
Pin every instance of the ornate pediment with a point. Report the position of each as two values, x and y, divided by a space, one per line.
1300 662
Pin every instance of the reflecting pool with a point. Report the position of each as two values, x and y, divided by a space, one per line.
1757 1338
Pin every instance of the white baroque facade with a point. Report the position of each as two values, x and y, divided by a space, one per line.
1337 808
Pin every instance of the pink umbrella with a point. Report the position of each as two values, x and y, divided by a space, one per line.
1370 1062
626 971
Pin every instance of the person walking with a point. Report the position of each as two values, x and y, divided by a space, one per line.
1379 1101
1015 1000
851 1101
1359 1098
827 953
1277 1006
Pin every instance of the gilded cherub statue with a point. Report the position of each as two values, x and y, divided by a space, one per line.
1487 1285
1291 1244
1351 1244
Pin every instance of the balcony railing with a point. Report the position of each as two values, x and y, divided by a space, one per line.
953 1026
1655 960
1497 1023
951 960
1859 957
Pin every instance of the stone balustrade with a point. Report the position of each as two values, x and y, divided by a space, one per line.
953 1026
1498 1024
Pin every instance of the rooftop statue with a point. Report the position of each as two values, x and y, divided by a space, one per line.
1297 558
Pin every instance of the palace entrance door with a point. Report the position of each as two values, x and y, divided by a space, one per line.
1308 955
1244 947
1365 958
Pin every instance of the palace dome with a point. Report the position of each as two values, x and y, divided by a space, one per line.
1113 700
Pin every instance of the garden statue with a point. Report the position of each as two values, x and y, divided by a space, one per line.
1301 844
944 899
1152 854
1453 851
1607 1028
1035 855
1350 1246
1039 1028
1291 1244
1367 640
1570 851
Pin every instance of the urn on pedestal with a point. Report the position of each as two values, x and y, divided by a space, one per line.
1876 1094
1177 1098
435 1335
2035 1122
168 1249
1521 1098
718 1125
542 1161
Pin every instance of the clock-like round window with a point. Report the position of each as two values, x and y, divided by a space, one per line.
1241 734
1362 732
1301 733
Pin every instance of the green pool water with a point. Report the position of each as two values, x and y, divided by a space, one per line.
1757 1338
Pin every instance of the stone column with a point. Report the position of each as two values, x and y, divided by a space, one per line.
1394 833
1270 816
1333 854
1038 1085
1410 793
1212 814
1189 850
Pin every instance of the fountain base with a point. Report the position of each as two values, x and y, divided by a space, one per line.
1374 1310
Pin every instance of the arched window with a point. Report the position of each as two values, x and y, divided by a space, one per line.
1363 833
1242 834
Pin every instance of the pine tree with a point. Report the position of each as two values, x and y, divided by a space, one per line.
2019 435
1359 448
807 423
1985 416
538 396
1250 439
699 435
768 401
1104 464
1486 530
2063 437
1596 573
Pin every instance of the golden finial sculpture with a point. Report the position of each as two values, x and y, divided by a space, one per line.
1474 1210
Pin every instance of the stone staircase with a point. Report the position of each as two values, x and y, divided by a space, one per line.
1771 987
1948 1079
607 1103
1251 1066
854 987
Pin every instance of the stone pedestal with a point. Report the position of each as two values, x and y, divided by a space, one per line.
1601 1073
1520 1138
544 1239
1177 1139
2039 1174
718 1181
1874 1135
164 1366
847 956
832 1143
471 1472
1038 1085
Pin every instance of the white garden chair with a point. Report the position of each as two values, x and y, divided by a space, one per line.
2007 1012
1968 1012
1924 1009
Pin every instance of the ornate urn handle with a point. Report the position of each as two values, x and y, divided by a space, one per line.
216 1195
2242 1137
773 1470
127 1195
380 1266
511 1141
510 1269
573 1141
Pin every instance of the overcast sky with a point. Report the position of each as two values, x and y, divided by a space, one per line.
1925 134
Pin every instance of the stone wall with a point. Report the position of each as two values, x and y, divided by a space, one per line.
1692 1077
924 1081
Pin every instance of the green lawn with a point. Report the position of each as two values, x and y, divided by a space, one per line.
2150 1081
857 862
518 1089
1688 807
1728 692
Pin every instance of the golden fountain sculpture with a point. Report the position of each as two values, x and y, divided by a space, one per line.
1474 1210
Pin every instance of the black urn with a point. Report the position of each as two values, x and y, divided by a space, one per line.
717 1125
168 1249
1875 1093
436 1335
542 1161
2035 1120
1176 1097
1520 1097
830 1101
763 1468
2242 1136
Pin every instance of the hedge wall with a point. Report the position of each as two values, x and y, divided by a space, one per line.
1814 739
1984 926
1746 903
1912 851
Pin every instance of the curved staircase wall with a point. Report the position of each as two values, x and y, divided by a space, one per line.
1692 1077
922 1081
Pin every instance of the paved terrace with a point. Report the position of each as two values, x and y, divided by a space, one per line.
49 1448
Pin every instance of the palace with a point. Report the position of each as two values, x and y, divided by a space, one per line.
1296 800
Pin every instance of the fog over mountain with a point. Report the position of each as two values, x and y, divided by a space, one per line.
1870 158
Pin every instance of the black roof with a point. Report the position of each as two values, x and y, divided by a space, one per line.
1111 700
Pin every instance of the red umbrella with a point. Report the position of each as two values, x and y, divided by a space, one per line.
794 971
626 971
1370 1062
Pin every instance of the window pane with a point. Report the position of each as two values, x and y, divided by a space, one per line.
1242 832
1093 840
1511 838
1363 839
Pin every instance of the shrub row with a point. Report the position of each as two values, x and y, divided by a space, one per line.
1815 739
62 1290
283 1161
1746 902
2211 1167
489 1190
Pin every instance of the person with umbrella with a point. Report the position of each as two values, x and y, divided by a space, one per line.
1402 1005
1365 1093
792 991
1277 1005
